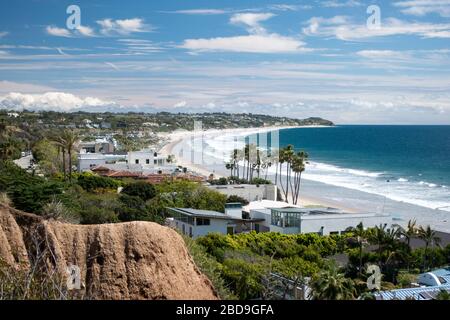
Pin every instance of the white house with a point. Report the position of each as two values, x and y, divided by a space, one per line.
146 157
196 223
323 221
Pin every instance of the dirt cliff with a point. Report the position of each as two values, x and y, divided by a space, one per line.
136 260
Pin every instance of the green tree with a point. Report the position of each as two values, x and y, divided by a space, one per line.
141 189
330 284
430 237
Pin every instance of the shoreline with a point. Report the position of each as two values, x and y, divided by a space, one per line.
176 138
317 193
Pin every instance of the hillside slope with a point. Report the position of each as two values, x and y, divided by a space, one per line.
136 260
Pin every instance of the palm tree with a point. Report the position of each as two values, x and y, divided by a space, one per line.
298 166
409 233
360 235
330 284
430 237
380 237
66 140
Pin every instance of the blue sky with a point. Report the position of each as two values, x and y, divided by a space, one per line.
290 58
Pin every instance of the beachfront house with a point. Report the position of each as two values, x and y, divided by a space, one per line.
196 223
323 221
145 159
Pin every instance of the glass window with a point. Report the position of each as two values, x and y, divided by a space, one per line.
136 161
147 161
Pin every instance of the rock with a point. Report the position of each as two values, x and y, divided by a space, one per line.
135 260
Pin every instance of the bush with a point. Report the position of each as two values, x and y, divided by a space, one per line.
235 198
90 182
141 189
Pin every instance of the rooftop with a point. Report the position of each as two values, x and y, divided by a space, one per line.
422 293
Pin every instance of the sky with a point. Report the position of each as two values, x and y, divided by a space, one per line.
349 61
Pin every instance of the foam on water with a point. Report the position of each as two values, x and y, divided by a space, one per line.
404 189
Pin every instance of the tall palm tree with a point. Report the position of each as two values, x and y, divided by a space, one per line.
330 284
299 162
67 141
430 237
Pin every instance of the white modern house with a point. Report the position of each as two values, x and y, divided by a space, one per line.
196 223
323 221
88 161
146 159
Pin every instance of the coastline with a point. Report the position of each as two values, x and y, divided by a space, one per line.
175 138
315 193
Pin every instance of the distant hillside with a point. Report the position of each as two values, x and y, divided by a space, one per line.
157 122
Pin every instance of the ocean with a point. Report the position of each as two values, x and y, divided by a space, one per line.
403 163
401 170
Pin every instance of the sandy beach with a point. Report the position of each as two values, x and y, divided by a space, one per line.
312 193
178 137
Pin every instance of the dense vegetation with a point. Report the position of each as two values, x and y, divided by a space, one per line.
247 261
92 199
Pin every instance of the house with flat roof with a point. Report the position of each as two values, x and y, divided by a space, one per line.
196 223
250 192
323 221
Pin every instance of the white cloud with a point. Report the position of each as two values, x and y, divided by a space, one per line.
383 54
58 32
86 31
201 11
289 7
424 7
123 27
340 4
54 101
341 28
272 43
251 21
180 104
258 40
3 33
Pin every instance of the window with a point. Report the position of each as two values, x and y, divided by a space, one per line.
184 229
147 161
190 232
203 222
155 154
136 161
155 161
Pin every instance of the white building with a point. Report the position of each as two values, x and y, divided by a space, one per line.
323 221
146 157
197 223
87 161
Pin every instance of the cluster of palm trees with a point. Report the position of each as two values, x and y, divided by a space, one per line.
394 244
66 142
256 161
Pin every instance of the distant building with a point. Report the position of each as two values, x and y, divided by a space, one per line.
97 146
146 157
323 221
250 192
196 223
88 161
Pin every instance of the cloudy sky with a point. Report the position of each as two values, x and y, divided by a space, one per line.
294 58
